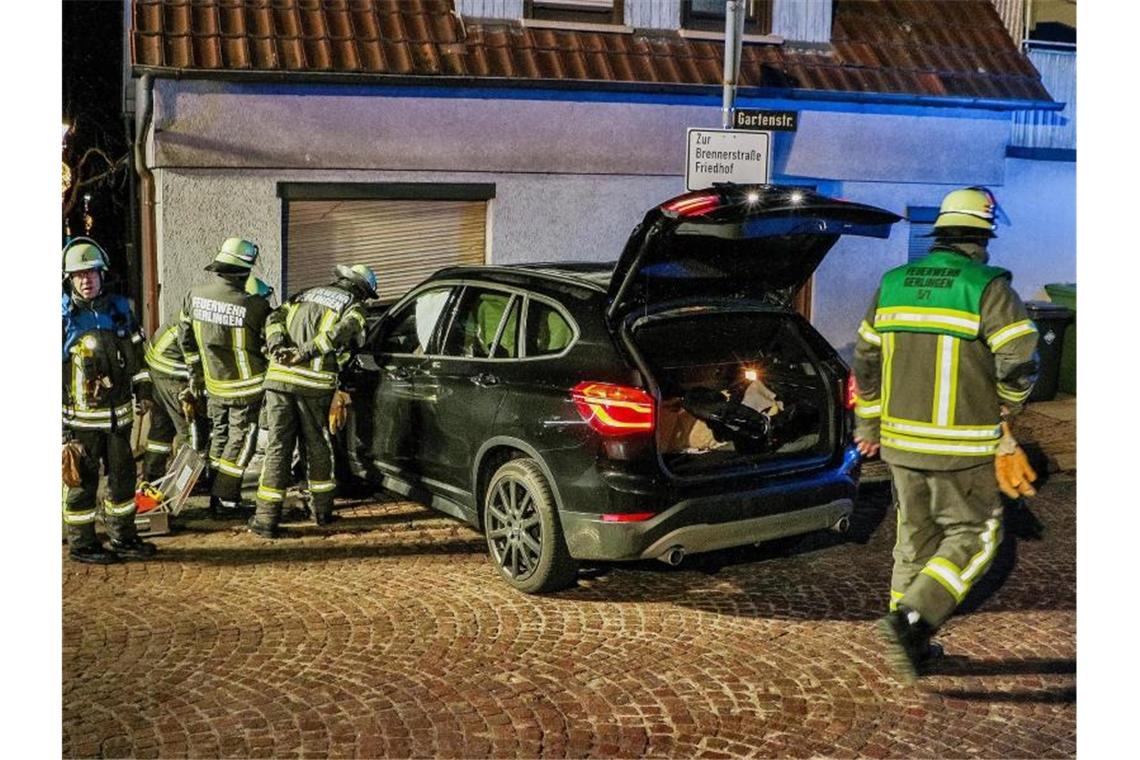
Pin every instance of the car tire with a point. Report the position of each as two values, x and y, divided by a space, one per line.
524 535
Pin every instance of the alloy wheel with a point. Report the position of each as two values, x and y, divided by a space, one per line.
514 529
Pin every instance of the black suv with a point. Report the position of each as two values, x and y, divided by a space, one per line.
669 404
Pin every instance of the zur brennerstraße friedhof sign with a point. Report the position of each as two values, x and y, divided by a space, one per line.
726 155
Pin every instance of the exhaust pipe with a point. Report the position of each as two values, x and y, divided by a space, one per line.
673 556
842 525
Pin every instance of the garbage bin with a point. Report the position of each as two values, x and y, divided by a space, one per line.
1066 295
1051 320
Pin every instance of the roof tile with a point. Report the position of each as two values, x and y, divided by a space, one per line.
923 47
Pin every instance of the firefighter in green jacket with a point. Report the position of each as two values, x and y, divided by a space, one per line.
103 372
171 414
309 338
222 335
945 352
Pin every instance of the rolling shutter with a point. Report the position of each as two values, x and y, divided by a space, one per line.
403 241
921 220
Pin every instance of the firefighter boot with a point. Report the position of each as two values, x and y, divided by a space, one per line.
125 539
85 547
907 637
265 520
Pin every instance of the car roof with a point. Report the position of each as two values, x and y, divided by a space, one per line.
593 276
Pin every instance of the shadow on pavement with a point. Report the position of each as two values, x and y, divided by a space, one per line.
1055 696
953 665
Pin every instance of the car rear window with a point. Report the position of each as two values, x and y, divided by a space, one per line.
547 331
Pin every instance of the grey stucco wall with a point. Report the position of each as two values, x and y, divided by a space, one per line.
573 178
536 217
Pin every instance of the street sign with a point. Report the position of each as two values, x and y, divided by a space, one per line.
726 155
755 119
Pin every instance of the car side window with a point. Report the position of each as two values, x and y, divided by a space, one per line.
409 331
476 323
547 331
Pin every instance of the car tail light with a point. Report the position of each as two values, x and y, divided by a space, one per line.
629 517
852 390
614 409
693 205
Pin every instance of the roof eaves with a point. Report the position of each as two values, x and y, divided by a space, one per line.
664 88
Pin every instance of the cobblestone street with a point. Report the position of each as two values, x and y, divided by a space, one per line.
388 634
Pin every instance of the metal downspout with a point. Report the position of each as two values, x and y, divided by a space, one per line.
148 244
733 31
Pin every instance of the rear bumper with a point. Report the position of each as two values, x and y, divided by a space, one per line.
707 523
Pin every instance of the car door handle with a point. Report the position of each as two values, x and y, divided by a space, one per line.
485 379
398 373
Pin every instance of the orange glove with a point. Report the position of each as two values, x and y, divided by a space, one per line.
73 453
338 411
1011 467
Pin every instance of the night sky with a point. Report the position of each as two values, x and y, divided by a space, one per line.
92 102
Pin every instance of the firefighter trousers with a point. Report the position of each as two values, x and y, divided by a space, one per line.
119 505
233 438
166 422
289 417
949 529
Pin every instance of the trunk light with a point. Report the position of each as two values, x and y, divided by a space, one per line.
614 409
852 390
630 517
751 374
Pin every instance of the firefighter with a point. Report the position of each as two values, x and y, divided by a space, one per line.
945 354
171 415
309 338
222 335
103 372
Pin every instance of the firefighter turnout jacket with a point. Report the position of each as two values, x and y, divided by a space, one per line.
324 324
222 335
164 356
945 344
103 367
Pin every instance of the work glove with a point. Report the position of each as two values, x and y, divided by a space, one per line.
189 402
73 453
1011 467
286 355
338 411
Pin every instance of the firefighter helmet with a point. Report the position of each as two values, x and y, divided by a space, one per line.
359 273
970 211
256 286
82 254
236 252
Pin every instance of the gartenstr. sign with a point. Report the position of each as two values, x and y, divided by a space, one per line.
764 121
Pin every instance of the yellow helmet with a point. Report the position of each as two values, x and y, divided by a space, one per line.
973 208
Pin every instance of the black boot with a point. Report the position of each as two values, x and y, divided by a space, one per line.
908 643
134 548
226 508
93 554
262 529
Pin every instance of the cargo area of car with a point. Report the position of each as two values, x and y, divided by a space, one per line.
739 388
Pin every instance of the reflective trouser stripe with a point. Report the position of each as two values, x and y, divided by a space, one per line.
229 468
158 447
119 509
265 493
948 575
79 518
322 486
980 561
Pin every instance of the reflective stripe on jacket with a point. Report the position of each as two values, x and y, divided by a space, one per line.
103 365
324 323
932 379
222 336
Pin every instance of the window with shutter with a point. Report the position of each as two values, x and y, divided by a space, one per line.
921 219
404 241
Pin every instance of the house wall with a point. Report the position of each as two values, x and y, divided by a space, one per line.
574 176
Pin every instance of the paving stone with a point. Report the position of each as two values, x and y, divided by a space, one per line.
366 642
